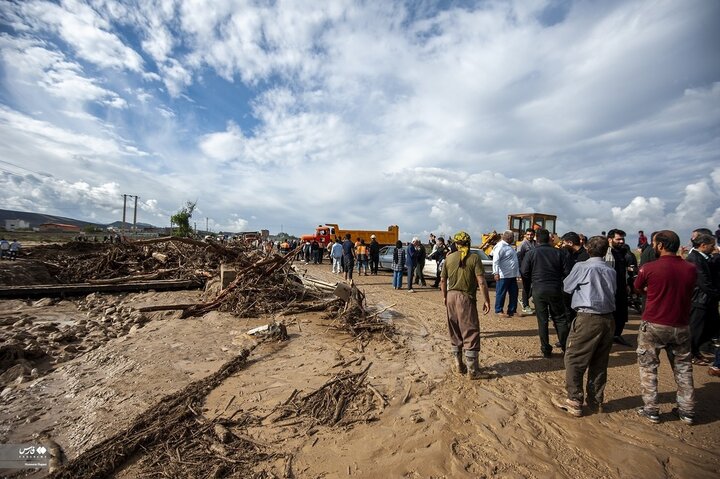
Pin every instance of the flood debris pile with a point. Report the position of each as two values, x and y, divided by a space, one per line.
263 286
173 439
353 315
158 258
342 400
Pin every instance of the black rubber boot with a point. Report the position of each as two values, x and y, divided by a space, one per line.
458 366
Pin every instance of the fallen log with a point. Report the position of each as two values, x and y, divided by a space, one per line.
55 290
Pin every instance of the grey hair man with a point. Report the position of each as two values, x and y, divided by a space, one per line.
591 284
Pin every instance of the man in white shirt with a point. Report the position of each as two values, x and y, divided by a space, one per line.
506 271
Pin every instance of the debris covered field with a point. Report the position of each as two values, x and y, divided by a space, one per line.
284 374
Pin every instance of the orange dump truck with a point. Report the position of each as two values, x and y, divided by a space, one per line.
324 234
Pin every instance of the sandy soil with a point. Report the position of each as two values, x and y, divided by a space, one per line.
435 425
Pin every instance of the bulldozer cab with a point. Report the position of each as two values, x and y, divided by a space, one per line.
520 222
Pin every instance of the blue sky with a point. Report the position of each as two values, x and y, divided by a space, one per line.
435 116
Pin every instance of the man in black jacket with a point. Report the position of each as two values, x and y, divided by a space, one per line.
704 308
545 266
374 250
575 252
616 258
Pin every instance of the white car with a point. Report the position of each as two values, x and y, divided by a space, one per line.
431 266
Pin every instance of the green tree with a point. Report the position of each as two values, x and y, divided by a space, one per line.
181 219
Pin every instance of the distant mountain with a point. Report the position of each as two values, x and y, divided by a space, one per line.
36 219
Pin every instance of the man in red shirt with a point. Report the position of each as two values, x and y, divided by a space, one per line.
668 284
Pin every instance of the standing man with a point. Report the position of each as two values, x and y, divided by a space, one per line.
576 252
410 258
668 284
506 271
527 244
461 276
615 257
420 254
642 239
544 266
704 305
438 254
14 249
374 249
591 285
336 254
647 253
348 250
4 248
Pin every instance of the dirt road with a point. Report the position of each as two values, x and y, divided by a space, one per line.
434 425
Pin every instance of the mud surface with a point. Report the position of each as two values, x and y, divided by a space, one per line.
433 424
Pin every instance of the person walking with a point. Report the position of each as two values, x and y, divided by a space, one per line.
462 275
505 271
544 266
398 264
591 285
374 251
527 244
668 283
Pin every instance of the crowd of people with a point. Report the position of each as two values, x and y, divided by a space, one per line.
583 288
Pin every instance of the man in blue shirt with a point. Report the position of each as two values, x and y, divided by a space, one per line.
592 284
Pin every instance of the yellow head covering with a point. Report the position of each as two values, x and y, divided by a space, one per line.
462 241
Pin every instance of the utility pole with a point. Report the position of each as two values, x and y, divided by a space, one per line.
207 228
135 217
122 226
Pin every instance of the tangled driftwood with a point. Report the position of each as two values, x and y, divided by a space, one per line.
176 439
345 394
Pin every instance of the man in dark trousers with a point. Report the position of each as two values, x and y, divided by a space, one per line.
527 244
576 252
348 250
704 306
668 284
544 266
374 249
615 257
591 285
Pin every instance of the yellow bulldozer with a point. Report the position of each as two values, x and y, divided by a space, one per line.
518 223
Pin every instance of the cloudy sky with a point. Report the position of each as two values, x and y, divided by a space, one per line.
433 115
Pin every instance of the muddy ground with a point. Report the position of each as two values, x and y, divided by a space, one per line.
434 425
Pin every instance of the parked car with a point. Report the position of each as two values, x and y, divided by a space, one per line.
386 257
431 265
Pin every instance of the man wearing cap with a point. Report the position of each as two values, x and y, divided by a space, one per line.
462 274
374 249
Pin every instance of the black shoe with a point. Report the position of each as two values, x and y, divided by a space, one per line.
653 417
688 419
621 340
558 344
547 354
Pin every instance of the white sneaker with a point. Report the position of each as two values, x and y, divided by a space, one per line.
411 290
